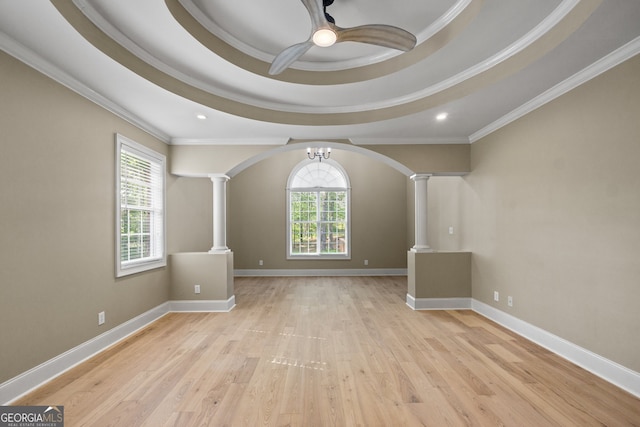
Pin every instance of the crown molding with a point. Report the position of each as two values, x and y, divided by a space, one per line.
561 22
35 61
553 19
230 141
409 141
556 17
436 26
615 58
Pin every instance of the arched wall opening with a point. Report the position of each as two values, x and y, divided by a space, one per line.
302 146
256 212
257 216
230 159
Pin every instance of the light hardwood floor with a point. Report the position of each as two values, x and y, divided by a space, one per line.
331 351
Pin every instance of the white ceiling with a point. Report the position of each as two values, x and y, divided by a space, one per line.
159 63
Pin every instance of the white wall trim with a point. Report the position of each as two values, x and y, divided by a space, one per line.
52 368
231 141
28 381
338 145
439 24
438 303
615 58
50 70
604 368
365 141
195 306
547 24
321 272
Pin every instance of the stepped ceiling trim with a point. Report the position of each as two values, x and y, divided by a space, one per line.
569 16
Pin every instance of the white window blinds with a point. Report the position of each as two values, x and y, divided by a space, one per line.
140 213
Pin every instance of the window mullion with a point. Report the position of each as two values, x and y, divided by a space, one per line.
140 211
319 222
317 205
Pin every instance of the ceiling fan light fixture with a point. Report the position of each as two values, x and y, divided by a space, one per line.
325 33
324 37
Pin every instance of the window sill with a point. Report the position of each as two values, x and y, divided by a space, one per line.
140 267
316 257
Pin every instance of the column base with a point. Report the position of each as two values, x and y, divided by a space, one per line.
219 250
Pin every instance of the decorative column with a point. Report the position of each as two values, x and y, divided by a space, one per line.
421 181
219 213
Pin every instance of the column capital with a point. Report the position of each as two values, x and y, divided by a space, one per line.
421 176
218 177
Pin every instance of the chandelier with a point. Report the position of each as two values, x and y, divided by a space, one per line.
319 153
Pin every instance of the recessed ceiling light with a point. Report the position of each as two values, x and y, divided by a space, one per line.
442 116
201 116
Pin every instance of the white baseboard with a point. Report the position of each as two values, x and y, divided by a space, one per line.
606 369
206 306
602 367
17 387
321 272
438 303
52 368
610 371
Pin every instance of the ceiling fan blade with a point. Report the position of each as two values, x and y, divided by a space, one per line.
289 56
380 35
316 11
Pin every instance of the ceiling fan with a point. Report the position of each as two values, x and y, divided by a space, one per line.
325 33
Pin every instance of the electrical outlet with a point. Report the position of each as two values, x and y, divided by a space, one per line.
366 262
196 289
101 318
450 230
260 262
510 301
496 296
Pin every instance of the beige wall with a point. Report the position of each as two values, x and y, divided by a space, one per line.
257 214
551 211
553 205
445 206
202 160
212 272
189 214
445 211
57 217
439 275
429 158
57 201
190 160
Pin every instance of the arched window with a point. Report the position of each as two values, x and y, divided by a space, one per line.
318 211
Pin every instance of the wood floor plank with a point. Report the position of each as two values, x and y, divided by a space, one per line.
515 388
331 351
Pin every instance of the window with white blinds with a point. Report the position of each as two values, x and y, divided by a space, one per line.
140 219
